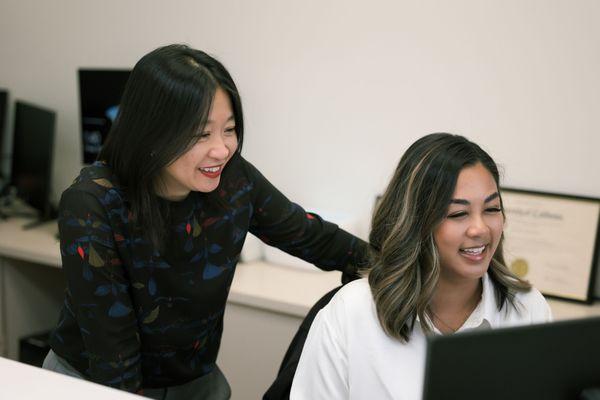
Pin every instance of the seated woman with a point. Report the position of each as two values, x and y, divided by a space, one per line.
439 269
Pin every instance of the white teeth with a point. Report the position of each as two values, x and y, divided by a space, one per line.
474 250
211 169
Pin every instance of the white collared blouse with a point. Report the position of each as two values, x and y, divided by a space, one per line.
347 355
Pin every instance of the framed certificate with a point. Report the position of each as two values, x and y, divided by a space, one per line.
552 241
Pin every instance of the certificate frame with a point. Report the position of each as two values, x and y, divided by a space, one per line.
553 240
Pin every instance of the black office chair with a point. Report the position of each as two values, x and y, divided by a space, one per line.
280 389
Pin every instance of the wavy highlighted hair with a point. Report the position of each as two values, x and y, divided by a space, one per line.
405 266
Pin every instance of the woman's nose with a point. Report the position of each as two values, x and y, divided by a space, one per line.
218 148
477 227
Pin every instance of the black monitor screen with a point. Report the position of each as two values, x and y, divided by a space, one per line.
33 147
554 361
100 93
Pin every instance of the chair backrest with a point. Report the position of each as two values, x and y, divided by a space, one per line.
280 389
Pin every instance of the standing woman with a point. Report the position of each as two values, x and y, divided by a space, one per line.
151 233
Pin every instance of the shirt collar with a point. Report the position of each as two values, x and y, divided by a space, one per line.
485 314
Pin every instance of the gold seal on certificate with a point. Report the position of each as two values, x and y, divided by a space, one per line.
519 267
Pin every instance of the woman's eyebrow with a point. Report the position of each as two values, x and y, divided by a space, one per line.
467 202
492 197
231 118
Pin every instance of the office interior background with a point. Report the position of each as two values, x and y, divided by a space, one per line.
334 91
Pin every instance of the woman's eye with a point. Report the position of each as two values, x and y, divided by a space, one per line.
457 214
493 209
230 130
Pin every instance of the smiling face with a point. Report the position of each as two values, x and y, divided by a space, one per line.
468 236
199 169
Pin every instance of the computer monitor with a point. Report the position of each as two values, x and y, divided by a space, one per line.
100 92
33 149
554 361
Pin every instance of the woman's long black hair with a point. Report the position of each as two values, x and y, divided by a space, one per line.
166 101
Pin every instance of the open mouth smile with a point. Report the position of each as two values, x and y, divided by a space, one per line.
474 253
211 172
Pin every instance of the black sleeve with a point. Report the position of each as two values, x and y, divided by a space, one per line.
279 222
99 290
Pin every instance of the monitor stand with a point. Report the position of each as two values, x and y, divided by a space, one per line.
5 198
7 212
39 221
11 206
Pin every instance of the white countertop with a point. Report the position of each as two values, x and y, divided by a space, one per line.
21 381
286 290
37 245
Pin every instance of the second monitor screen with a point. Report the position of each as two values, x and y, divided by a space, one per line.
100 93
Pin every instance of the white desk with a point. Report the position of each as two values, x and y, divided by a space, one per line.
38 245
265 308
21 381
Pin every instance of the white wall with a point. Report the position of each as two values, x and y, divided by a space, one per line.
334 90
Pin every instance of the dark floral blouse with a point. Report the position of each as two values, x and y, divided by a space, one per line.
134 317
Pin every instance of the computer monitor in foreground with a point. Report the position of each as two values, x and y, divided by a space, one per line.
33 148
554 361
100 92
